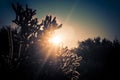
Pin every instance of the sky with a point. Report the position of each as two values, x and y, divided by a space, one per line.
81 19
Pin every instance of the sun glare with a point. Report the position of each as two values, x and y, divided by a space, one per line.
55 40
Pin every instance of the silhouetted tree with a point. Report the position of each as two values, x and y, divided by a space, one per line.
30 29
100 58
28 55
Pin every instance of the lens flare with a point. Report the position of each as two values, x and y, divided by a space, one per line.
55 40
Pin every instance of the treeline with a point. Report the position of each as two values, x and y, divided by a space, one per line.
100 59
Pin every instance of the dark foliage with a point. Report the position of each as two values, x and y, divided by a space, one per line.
26 54
100 59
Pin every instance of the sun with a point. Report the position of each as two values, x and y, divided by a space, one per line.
55 40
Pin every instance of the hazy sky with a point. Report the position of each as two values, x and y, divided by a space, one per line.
81 19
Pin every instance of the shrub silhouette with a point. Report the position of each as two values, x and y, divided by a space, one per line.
26 53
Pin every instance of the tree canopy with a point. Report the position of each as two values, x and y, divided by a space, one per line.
27 54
